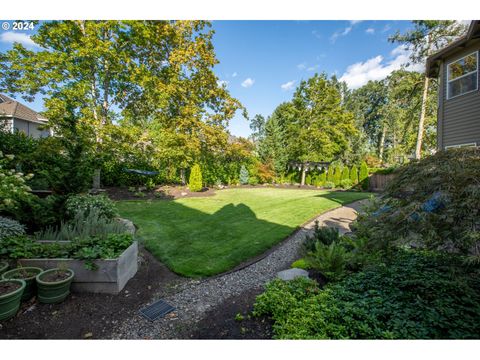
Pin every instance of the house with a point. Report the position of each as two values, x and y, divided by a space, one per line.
457 67
15 116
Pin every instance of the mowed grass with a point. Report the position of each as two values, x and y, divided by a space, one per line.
209 235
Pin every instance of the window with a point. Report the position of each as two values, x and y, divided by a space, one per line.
463 75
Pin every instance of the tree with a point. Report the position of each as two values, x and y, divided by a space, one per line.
345 173
354 175
331 174
244 175
363 177
337 175
426 37
322 178
195 182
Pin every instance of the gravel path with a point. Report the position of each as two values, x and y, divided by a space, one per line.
195 297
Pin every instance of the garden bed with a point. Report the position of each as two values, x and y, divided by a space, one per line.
110 276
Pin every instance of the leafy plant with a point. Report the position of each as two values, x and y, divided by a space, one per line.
363 176
419 295
10 228
195 182
329 185
301 264
104 207
337 175
345 173
324 234
354 175
346 184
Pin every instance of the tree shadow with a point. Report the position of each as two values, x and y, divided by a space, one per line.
340 197
195 243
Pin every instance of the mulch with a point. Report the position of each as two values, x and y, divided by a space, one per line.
84 315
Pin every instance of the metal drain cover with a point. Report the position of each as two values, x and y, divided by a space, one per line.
157 309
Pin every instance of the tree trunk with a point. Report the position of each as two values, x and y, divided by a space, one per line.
418 147
182 176
381 145
303 175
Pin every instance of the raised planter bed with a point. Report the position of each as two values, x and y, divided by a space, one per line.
110 277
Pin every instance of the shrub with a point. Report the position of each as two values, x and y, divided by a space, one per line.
324 234
195 181
354 175
322 178
331 260
345 173
331 174
84 203
363 177
243 175
419 295
10 228
329 185
432 203
346 184
308 179
337 176
13 188
301 264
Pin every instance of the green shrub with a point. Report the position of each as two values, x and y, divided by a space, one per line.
301 264
10 228
345 173
346 184
337 175
331 174
331 260
83 226
139 194
354 175
363 177
324 234
329 185
432 203
322 178
308 179
195 181
419 295
244 176
84 203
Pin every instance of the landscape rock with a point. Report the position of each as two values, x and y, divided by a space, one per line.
291 274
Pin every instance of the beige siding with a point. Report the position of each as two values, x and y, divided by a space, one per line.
29 128
460 115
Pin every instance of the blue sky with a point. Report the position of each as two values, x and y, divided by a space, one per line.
261 62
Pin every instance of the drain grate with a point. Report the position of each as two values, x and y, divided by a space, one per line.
157 309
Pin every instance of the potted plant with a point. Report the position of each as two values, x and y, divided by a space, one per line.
11 292
28 274
54 284
3 266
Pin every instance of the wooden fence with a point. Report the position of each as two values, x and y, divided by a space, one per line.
377 182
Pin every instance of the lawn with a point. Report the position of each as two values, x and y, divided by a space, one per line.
204 236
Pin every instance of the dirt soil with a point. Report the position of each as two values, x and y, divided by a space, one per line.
84 316
232 320
8 287
55 276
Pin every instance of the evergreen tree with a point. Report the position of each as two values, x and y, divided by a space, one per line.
195 181
244 176
337 175
330 174
363 178
322 178
345 173
354 175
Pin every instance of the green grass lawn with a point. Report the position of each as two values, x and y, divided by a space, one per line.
209 235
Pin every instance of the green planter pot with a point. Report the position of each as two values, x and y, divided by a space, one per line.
10 303
31 286
3 267
53 292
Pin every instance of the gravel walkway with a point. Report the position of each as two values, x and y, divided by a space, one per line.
195 297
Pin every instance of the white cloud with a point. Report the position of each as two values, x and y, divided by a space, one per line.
288 85
11 37
302 66
316 34
376 68
345 31
234 74
370 31
313 67
354 22
248 82
222 83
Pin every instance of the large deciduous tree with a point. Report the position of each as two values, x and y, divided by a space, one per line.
426 37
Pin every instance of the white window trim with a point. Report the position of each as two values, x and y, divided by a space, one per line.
460 146
470 73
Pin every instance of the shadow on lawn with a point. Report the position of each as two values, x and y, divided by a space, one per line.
195 243
340 197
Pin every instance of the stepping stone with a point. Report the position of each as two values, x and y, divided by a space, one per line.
291 274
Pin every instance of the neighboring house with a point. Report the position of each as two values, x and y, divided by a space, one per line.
15 116
457 67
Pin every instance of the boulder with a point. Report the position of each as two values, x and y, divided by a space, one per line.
291 274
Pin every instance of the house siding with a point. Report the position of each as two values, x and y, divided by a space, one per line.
29 128
459 117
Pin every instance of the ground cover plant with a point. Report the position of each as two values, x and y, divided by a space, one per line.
414 295
209 235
